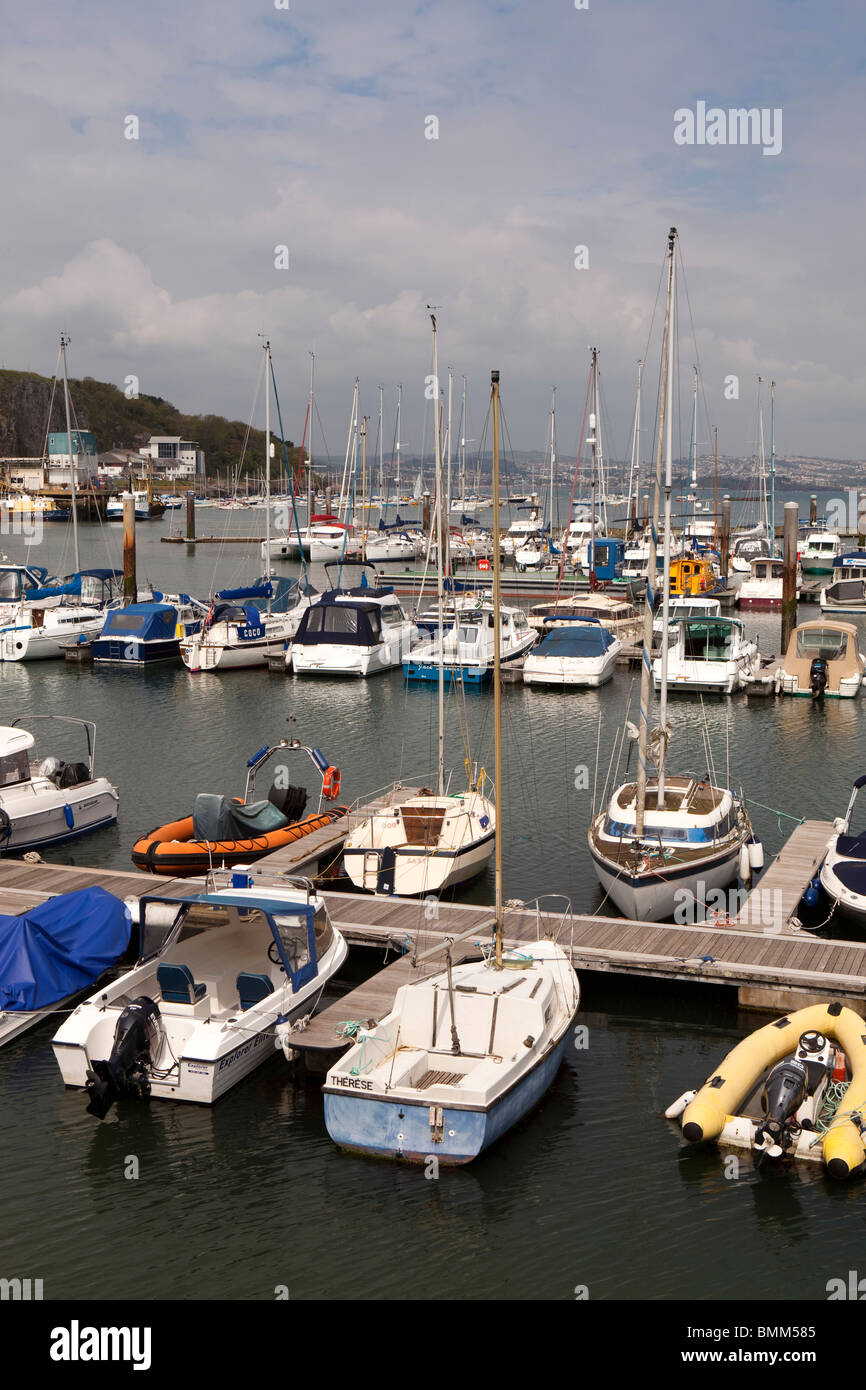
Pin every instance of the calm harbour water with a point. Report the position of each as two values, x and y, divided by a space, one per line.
594 1188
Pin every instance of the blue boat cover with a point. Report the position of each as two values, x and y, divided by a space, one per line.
56 590
254 591
576 641
149 621
60 947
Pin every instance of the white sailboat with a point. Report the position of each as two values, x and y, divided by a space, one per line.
661 837
430 842
464 1054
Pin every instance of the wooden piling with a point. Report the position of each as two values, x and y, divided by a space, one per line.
190 516
425 513
789 573
813 510
130 587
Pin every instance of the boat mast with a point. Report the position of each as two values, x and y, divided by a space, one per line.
381 451
766 517
552 460
593 443
716 487
693 480
646 665
447 512
772 469
440 570
268 462
397 449
634 471
64 342
463 452
310 442
364 489
497 683
666 589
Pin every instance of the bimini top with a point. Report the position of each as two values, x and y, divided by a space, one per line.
60 947
578 641
14 741
148 621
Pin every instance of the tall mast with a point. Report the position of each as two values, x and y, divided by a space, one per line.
364 488
766 516
64 342
593 443
381 451
447 512
397 449
311 406
634 471
772 469
552 458
666 590
693 480
646 666
497 684
440 564
463 450
268 462
716 487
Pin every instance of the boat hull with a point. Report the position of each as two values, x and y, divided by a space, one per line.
654 897
395 1128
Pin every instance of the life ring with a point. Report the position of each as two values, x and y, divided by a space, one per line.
331 783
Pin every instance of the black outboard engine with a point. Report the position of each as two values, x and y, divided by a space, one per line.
137 1041
783 1094
818 677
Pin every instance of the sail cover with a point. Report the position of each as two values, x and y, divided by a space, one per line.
60 947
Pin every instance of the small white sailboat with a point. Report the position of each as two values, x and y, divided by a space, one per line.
465 1054
54 800
197 1012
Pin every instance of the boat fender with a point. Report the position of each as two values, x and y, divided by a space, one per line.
331 783
674 1111
5 825
70 819
812 893
745 863
756 852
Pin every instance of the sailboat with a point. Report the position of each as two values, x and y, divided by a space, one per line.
466 1053
430 842
236 632
665 836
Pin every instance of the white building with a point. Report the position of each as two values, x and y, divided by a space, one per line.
174 457
57 473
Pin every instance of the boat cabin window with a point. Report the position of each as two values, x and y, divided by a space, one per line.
707 641
391 613
324 932
292 932
10 586
826 642
14 768
520 621
468 633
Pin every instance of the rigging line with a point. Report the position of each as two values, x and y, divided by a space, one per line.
563 557
260 378
291 479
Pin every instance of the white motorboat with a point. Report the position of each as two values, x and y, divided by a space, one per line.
464 1055
710 654
38 617
582 654
689 607
847 592
197 1012
466 652
823 659
616 614
819 552
52 800
352 632
763 588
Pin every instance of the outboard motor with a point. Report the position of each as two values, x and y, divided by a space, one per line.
818 677
137 1042
781 1098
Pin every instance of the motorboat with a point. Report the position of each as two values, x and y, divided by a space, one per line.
794 1089
466 651
197 1012
847 592
690 607
843 872
819 551
44 802
711 654
582 654
616 614
144 634
147 507
51 953
823 659
754 545
223 830
763 588
352 632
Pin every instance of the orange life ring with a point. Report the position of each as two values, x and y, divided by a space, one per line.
331 783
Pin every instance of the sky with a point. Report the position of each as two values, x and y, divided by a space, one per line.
304 124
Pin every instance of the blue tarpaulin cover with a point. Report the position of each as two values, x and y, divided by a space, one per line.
576 640
60 947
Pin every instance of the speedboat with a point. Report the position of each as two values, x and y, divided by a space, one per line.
57 800
694 842
843 872
226 830
461 1058
197 1012
466 652
38 619
794 1089
847 592
823 659
580 654
819 552
616 614
51 953
708 654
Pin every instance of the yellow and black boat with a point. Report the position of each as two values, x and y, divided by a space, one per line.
692 575
796 1088
223 831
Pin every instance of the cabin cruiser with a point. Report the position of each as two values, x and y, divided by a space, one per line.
691 607
823 658
52 800
746 548
235 633
352 632
143 634
466 652
582 654
709 654
616 614
847 592
197 1012
843 872
819 551
696 838
763 588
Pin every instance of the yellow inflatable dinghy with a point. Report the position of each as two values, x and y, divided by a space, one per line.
796 1087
